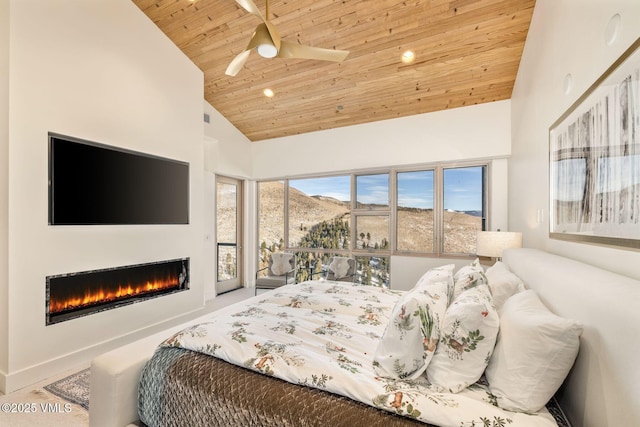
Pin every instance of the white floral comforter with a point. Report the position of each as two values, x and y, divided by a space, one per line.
324 334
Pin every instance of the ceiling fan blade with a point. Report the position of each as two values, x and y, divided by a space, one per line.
251 7
294 50
260 35
275 35
237 63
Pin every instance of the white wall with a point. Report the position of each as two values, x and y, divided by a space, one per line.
102 71
566 37
4 184
467 133
477 131
226 152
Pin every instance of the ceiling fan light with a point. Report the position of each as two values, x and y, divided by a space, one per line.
263 43
267 50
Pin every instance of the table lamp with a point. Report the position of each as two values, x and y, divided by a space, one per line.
492 243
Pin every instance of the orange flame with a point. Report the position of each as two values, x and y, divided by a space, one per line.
102 295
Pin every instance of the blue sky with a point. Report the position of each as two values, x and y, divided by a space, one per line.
332 186
463 191
415 189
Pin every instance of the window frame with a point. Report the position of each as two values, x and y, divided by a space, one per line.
357 212
438 206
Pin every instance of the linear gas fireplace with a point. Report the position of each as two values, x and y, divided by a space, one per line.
79 294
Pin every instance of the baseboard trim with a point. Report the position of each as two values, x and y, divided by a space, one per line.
13 381
3 382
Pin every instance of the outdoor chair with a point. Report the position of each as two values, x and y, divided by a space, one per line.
341 269
280 271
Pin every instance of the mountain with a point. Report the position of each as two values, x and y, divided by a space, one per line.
305 212
415 229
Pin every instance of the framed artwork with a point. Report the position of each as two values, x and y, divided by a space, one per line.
594 154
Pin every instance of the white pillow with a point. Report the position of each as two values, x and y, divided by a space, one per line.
410 339
340 267
502 283
533 355
468 277
280 263
467 339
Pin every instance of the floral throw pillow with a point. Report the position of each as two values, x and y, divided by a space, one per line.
467 277
443 273
467 339
410 339
432 315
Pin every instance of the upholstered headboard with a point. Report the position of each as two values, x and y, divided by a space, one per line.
603 388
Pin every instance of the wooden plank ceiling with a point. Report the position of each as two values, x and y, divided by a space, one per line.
467 52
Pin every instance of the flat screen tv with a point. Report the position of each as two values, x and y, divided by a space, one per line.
96 184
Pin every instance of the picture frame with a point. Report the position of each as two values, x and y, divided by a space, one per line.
594 160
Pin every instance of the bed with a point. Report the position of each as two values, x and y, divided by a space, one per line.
602 387
313 354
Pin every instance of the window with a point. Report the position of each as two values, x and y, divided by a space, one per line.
372 191
463 208
372 232
318 212
439 210
371 221
435 210
372 213
414 211
271 215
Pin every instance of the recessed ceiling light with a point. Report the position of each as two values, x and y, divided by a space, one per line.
408 57
268 93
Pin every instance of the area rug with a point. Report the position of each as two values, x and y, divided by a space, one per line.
74 388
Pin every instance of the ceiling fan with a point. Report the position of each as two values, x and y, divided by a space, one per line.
266 41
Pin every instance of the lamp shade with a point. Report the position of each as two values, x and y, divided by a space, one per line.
492 243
